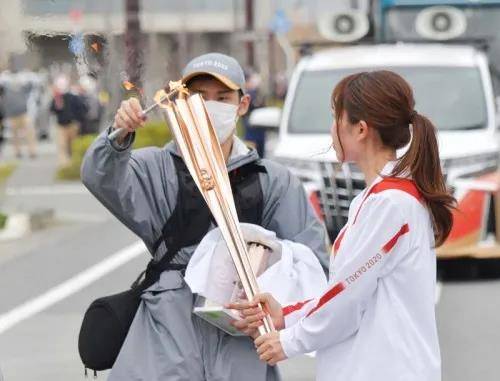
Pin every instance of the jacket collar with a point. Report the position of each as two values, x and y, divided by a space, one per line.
240 153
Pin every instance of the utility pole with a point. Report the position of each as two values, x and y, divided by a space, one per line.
249 28
183 38
133 43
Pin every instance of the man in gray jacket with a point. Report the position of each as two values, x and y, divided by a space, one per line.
152 193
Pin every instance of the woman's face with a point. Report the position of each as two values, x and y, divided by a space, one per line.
345 132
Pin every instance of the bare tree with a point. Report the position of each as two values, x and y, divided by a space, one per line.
133 42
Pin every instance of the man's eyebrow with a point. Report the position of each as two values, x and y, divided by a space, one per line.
225 91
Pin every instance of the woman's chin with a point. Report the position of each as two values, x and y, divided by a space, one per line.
340 157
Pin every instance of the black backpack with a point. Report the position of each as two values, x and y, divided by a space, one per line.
107 320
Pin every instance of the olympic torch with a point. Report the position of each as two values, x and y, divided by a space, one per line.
198 144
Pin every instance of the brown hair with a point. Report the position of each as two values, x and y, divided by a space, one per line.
384 100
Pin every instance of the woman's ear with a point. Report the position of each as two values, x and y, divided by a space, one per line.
362 130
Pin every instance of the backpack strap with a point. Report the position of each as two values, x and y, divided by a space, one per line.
191 217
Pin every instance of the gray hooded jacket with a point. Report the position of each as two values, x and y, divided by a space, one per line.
166 341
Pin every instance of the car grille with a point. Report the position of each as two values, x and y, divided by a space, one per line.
340 184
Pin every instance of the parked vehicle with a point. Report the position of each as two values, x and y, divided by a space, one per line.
454 85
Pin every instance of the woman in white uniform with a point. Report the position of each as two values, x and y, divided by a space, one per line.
376 320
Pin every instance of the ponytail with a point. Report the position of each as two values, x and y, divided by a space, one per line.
423 163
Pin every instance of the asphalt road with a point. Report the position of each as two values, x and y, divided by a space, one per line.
44 346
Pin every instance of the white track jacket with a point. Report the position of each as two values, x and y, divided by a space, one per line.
376 321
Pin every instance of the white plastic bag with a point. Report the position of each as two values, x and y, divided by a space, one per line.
294 272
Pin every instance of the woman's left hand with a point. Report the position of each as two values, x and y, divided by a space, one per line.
269 348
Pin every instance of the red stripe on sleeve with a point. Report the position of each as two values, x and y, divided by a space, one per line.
294 307
392 242
329 295
339 287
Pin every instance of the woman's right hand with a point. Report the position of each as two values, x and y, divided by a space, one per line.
129 116
252 315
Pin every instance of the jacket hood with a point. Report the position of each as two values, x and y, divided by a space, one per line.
240 155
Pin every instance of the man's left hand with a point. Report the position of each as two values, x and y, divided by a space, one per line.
269 348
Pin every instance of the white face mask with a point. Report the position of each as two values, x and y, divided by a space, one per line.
224 117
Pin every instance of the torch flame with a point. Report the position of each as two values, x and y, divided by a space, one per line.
128 85
160 97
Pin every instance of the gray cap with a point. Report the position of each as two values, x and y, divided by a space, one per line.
226 69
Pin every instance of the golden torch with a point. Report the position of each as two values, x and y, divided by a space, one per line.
199 146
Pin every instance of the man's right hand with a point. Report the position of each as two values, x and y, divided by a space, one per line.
129 116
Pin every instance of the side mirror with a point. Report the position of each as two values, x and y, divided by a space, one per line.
265 117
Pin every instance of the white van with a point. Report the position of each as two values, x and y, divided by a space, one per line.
452 86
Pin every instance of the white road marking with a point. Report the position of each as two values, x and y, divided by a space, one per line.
46 190
439 287
70 286
82 217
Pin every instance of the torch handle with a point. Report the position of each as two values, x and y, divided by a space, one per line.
115 134
268 323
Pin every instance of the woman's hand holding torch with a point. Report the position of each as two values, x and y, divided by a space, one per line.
268 346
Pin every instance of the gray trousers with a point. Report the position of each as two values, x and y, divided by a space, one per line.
168 342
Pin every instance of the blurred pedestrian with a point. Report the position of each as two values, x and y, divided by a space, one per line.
14 99
69 110
2 128
377 320
39 101
90 97
281 86
255 135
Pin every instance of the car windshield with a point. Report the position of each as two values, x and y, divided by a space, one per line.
452 97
